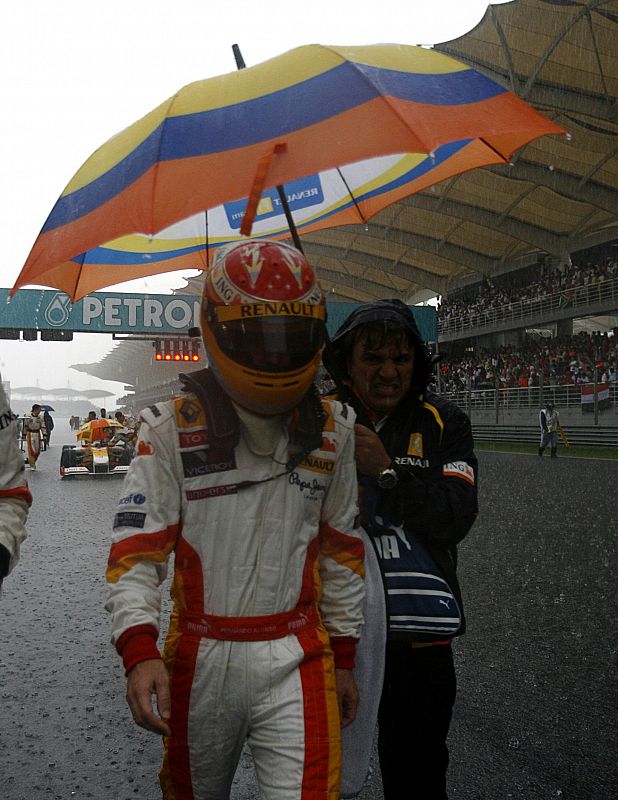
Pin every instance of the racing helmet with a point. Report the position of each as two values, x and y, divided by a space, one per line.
263 323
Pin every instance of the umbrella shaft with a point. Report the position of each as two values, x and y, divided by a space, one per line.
288 216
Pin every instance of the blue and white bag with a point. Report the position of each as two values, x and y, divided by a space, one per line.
418 599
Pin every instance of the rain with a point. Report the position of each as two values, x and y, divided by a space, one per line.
535 670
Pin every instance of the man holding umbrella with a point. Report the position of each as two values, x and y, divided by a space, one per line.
48 422
418 473
249 478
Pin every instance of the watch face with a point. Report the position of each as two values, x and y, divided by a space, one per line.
387 479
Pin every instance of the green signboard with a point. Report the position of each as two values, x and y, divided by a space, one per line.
154 314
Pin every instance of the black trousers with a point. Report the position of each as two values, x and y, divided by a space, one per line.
414 719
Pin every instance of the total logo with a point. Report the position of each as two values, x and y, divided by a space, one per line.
132 499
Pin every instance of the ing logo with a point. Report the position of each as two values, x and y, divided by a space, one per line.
415 446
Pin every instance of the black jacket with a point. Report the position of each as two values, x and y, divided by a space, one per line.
424 436
430 440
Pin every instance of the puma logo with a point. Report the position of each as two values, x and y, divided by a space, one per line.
445 602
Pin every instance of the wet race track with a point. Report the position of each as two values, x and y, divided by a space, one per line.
536 710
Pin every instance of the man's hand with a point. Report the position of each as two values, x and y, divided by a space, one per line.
371 457
145 679
347 695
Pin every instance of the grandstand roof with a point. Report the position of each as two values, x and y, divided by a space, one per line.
559 195
63 391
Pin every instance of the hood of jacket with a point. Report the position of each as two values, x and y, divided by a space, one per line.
380 311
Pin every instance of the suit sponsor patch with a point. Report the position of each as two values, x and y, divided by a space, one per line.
132 499
459 469
210 491
144 449
319 464
196 463
188 412
129 519
310 489
193 438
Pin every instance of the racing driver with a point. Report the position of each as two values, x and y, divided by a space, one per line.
248 477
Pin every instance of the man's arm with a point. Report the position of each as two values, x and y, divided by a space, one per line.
440 506
145 532
342 570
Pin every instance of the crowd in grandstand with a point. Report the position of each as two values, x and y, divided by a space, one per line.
561 361
517 287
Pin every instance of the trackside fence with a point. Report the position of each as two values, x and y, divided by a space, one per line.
487 399
585 436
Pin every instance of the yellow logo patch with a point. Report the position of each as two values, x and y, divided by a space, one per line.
415 446
319 464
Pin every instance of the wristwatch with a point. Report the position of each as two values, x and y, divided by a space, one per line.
387 478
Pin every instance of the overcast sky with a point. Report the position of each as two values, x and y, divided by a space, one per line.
75 73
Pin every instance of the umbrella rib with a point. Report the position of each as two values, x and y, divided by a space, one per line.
349 191
206 240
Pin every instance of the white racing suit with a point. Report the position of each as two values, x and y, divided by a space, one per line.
268 583
15 497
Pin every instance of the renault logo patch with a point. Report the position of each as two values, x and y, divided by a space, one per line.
190 411
415 446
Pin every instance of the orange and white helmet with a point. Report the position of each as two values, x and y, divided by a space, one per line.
263 322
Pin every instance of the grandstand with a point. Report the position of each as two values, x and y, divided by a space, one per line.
522 256
512 344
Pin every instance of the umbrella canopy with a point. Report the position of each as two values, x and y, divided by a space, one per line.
97 430
345 130
48 408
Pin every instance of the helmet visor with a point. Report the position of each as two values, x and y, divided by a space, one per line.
272 344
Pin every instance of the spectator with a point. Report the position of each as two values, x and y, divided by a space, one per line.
49 426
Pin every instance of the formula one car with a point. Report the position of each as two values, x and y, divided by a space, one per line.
104 447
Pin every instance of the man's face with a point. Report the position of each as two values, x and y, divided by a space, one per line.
381 377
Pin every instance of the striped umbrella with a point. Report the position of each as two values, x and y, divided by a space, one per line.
344 131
